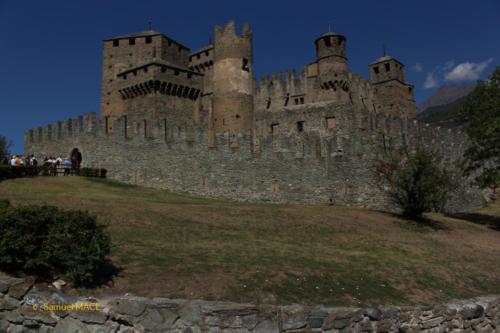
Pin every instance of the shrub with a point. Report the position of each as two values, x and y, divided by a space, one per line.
4 203
49 242
9 172
419 184
89 172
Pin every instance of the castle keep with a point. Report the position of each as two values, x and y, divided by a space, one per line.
200 123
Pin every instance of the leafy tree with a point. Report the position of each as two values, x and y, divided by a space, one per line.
4 147
419 183
480 115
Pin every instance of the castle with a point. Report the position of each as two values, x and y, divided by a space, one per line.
199 123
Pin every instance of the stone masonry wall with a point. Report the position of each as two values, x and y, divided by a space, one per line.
28 308
330 158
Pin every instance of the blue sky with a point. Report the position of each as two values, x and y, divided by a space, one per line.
50 51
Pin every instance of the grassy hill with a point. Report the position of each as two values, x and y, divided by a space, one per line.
179 246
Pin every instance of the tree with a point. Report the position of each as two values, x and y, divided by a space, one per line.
480 116
4 147
419 183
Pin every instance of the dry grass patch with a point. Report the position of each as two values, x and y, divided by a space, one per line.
181 246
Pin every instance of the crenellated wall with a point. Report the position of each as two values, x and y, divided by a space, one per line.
317 153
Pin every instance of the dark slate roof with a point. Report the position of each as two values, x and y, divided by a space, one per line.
144 34
384 59
159 62
205 48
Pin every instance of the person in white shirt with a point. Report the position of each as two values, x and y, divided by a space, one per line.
13 161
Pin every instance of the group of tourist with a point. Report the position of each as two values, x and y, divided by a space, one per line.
66 166
18 160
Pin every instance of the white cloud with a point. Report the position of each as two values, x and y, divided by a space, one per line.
417 67
467 71
431 81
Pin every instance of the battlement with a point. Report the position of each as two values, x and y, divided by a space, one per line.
202 60
229 44
309 136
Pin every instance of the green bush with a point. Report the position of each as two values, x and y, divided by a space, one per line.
420 184
89 172
9 172
49 242
4 203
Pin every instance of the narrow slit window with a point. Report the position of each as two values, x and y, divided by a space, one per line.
116 43
274 128
387 67
375 70
245 66
149 39
131 41
300 126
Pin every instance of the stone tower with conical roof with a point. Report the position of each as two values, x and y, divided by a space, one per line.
331 57
393 95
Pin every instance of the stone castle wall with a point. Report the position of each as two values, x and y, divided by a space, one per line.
329 158
28 308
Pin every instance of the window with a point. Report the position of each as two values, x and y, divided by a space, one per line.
131 41
302 100
387 67
268 103
116 42
375 70
331 122
244 65
145 69
206 53
274 128
198 56
125 76
149 39
300 126
189 75
296 100
328 42
163 69
237 116
176 73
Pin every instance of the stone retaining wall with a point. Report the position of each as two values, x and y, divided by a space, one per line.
28 308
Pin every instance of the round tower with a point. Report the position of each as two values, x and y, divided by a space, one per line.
331 57
232 80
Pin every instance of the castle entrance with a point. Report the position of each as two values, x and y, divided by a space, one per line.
76 160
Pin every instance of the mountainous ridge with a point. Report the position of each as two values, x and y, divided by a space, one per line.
445 95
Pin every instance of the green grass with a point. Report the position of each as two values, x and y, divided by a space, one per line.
181 246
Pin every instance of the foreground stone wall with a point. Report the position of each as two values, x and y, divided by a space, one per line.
28 308
330 158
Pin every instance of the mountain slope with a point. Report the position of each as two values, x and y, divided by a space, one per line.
446 95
